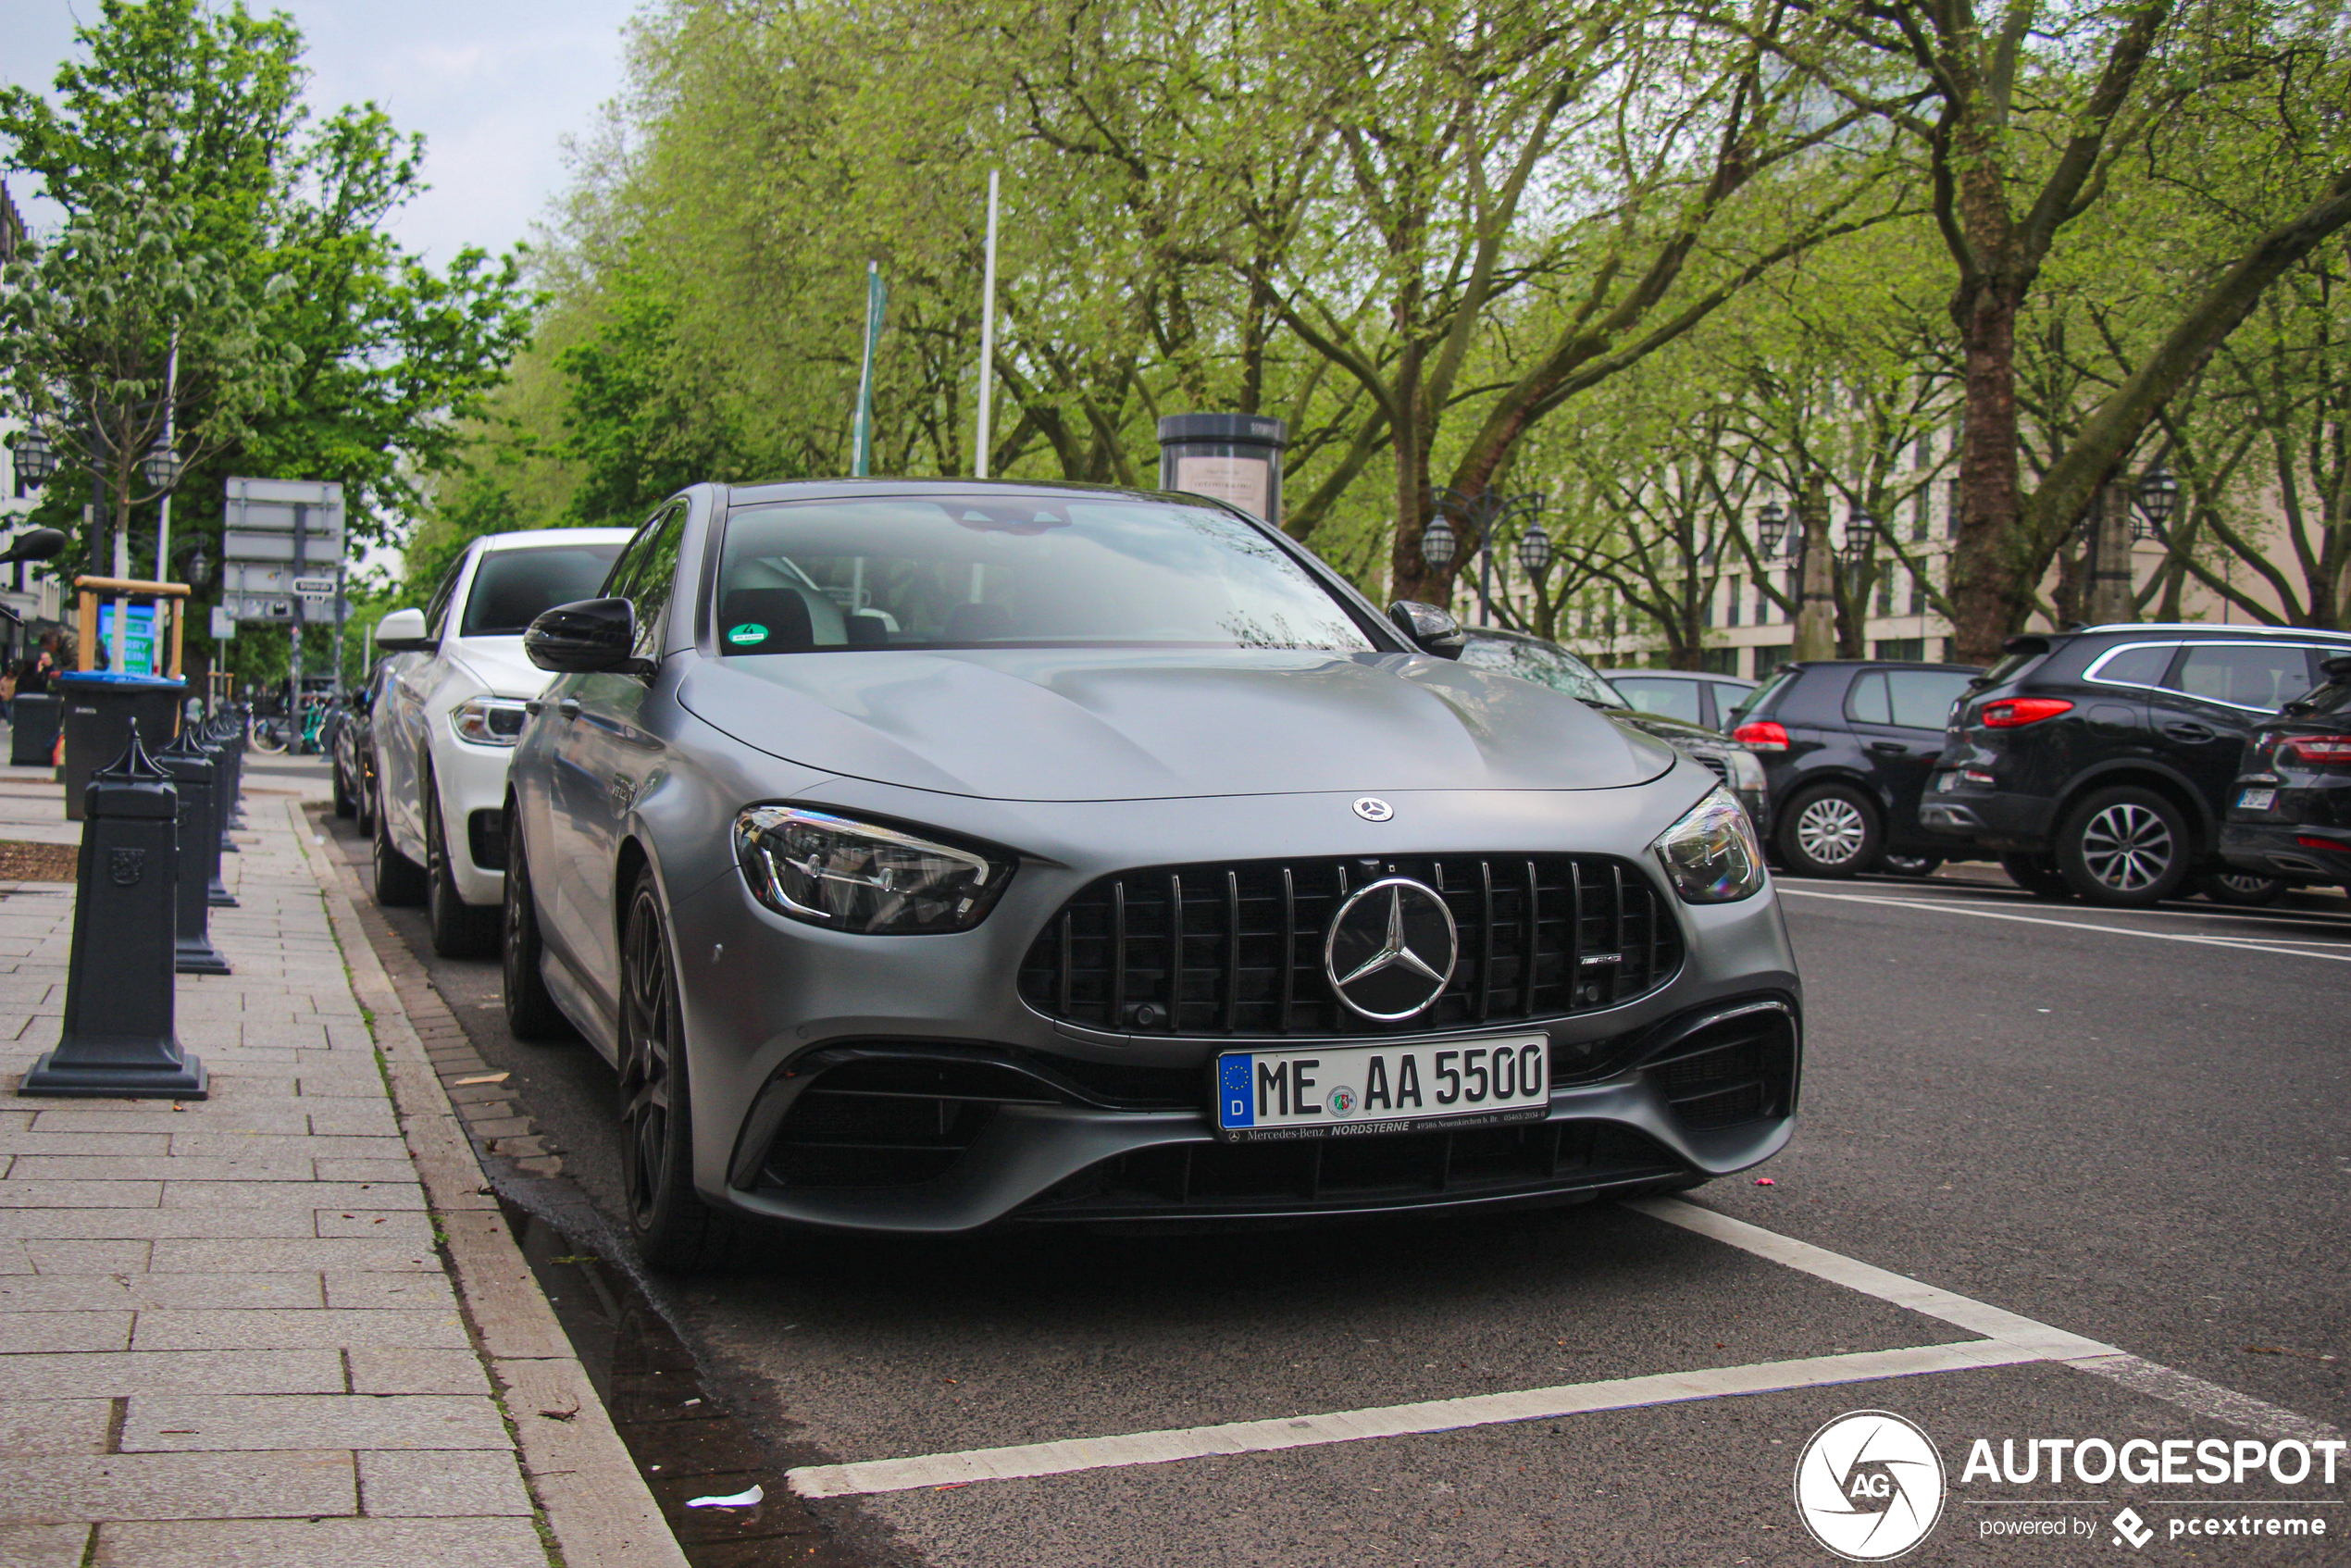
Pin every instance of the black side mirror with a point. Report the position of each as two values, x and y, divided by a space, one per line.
1430 630
594 636
2337 669
35 544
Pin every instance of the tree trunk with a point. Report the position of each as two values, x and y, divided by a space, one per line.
1990 590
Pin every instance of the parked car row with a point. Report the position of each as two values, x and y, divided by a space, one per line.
930 854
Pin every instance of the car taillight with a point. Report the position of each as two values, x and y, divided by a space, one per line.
2011 712
2309 843
2325 749
1763 735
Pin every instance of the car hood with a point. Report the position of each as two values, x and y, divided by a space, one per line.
499 665
1097 725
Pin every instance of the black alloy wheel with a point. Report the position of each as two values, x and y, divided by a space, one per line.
531 1013
2037 875
400 882
2246 889
1910 864
1831 831
2126 848
459 929
345 805
673 1229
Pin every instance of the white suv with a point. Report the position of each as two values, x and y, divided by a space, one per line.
451 712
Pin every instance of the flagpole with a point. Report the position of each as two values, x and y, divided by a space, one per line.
988 336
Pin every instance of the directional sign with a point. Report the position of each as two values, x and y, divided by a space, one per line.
314 587
296 520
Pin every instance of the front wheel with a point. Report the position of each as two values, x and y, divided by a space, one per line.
345 805
2037 875
673 1229
1910 864
1831 831
459 929
2126 848
399 881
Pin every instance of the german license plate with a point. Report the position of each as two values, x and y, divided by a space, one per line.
2256 800
1358 1090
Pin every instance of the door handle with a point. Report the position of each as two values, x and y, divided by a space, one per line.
2187 732
1892 748
568 708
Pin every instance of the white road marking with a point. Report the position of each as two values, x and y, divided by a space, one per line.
2237 944
2011 1339
1390 1421
2054 1344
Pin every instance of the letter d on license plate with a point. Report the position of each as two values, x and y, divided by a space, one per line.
1358 1090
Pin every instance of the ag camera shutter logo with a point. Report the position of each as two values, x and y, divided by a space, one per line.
1869 1485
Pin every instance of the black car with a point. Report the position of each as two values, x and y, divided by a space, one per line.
354 750
2289 815
1848 745
2101 762
1547 663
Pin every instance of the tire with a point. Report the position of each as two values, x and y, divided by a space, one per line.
2245 890
531 1013
268 738
673 1229
2125 848
2037 875
459 929
1910 864
1832 832
345 805
400 882
367 803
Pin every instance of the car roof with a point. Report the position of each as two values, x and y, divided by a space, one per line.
1675 675
1876 664
524 539
835 489
2204 627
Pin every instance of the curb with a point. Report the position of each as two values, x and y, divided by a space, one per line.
596 1503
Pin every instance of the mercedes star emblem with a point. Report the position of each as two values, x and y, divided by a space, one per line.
1371 808
1391 949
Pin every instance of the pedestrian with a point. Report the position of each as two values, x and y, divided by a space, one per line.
33 678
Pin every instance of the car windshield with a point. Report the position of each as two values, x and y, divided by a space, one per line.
1545 664
1014 572
513 588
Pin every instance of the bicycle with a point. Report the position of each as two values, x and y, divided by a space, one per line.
269 736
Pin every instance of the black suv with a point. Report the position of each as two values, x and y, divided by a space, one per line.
1848 745
2289 810
2099 762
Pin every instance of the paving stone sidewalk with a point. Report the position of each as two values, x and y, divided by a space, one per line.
226 1333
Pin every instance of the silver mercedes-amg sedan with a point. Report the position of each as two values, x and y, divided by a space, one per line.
929 855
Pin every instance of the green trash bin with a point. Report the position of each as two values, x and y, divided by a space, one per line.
100 707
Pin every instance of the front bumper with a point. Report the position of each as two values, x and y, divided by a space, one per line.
772 1004
471 781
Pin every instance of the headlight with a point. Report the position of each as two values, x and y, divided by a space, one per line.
1711 854
489 721
1747 769
860 877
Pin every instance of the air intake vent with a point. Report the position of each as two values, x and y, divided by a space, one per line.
1237 949
1740 1070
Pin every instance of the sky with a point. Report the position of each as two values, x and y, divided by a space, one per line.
494 85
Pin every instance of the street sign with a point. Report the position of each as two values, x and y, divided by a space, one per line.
275 529
314 587
224 625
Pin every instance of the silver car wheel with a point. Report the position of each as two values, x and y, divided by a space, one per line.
2127 847
1831 831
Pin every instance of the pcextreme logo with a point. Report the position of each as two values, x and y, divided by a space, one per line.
1869 1485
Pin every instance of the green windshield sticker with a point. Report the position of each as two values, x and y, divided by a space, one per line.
750 631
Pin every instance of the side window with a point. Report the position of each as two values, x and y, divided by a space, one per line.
2136 667
646 574
1867 701
2265 677
1923 698
437 607
1674 698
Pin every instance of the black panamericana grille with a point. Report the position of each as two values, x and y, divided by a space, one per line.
1237 949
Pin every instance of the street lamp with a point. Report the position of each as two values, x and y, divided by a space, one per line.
1535 549
160 468
37 459
1769 523
2159 494
1439 544
1489 511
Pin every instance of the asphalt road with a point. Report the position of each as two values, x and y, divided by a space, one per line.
2128 1127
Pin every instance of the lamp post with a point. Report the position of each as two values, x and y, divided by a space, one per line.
1771 527
1488 511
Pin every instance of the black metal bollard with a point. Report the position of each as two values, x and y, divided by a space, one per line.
239 743
192 775
216 747
118 1040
